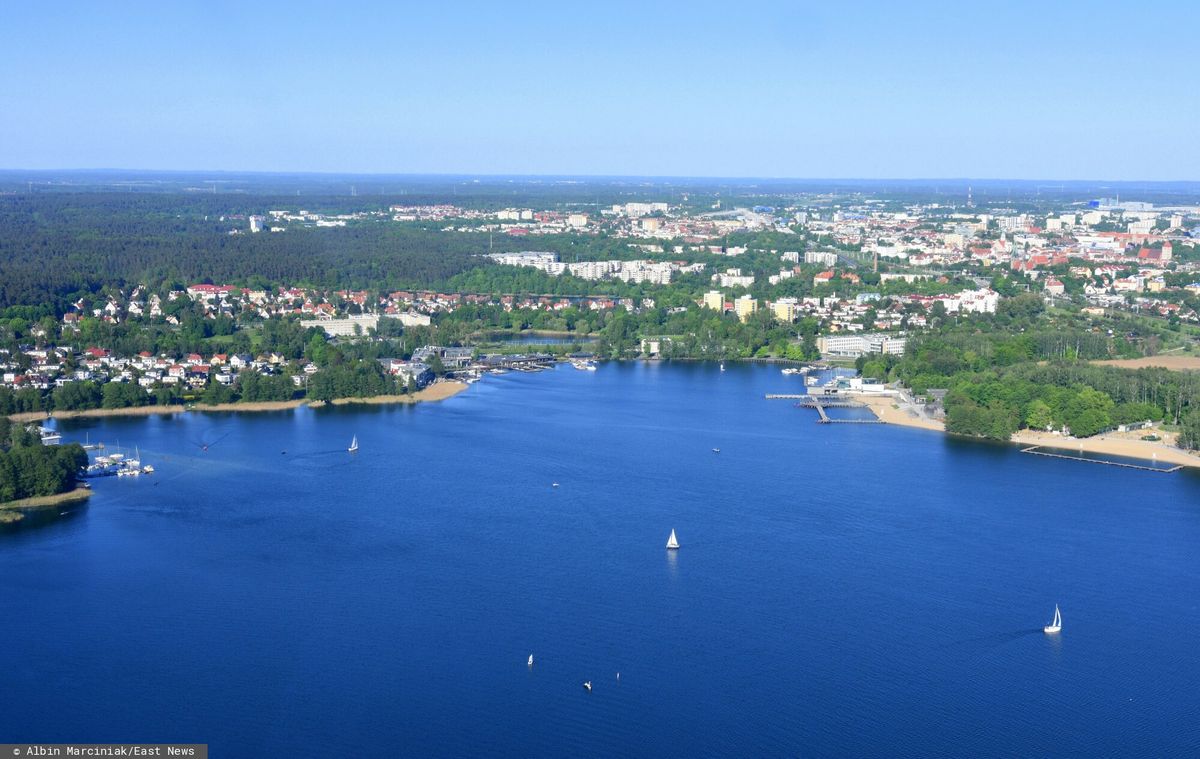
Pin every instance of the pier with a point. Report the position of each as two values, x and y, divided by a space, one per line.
1033 449
821 402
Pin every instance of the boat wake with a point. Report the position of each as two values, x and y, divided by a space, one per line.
315 454
995 639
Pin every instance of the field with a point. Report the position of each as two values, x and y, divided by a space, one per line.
1174 363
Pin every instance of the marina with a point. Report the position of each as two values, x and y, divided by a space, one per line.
116 464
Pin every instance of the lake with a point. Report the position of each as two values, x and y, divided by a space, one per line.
861 590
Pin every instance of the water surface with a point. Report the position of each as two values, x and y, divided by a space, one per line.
840 590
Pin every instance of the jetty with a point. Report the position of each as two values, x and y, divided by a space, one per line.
1033 450
822 402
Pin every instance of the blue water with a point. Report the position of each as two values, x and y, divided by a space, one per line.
861 590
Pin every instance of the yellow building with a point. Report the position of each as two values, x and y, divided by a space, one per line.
784 309
714 299
744 306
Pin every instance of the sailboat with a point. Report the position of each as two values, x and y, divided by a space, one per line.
671 541
1056 625
531 660
353 444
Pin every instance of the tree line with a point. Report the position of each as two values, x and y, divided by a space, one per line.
29 469
1000 383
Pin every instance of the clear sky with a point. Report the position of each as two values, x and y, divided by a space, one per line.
1066 90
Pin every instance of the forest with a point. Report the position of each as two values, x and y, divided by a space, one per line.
28 468
1040 378
55 248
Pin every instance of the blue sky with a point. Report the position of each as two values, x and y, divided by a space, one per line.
1066 90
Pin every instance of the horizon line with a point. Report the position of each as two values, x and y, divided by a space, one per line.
502 175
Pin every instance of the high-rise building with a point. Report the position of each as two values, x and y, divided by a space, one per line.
714 299
785 309
744 307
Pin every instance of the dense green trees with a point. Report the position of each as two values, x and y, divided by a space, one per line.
20 401
77 395
253 387
1189 433
998 384
964 416
30 469
1038 415
54 246
360 379
124 395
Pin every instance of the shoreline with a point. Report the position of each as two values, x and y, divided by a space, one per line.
11 511
889 409
885 409
438 391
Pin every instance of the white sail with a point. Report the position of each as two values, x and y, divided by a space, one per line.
531 660
1056 625
353 444
671 541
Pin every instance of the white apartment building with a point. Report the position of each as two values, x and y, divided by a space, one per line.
524 258
733 278
820 257
977 301
853 346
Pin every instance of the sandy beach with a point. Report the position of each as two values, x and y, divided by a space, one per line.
439 391
894 410
435 392
1163 451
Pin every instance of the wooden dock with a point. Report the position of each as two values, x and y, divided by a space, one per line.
1033 449
812 401
822 402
